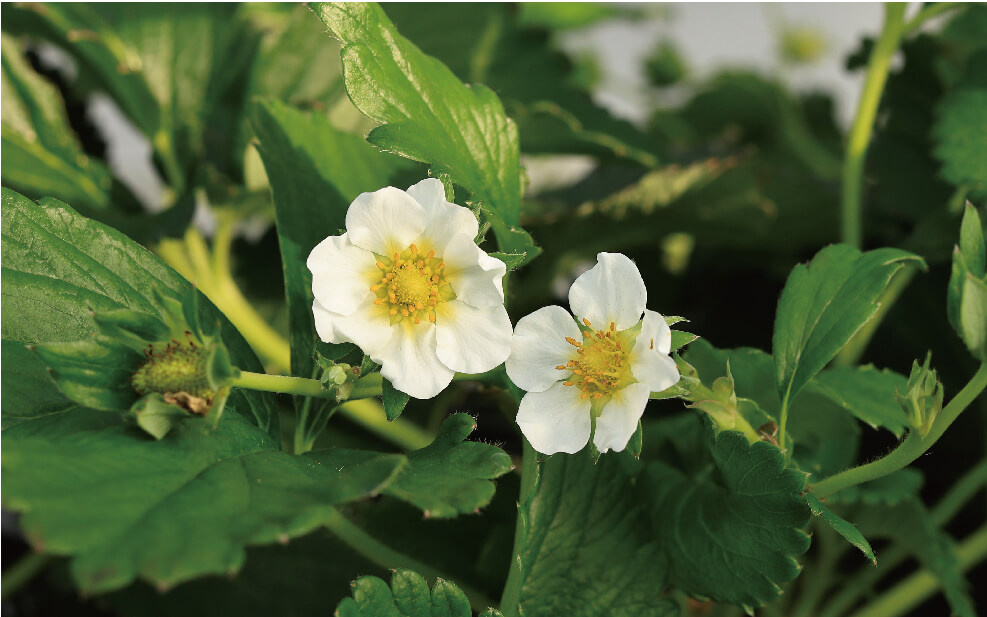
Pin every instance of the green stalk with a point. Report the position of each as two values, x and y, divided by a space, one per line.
21 573
863 124
943 512
910 449
510 601
928 13
913 590
282 384
389 559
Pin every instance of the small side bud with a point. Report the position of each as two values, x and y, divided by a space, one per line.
922 401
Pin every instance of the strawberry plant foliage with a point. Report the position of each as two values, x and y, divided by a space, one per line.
412 357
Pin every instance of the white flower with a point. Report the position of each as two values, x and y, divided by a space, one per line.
604 368
409 286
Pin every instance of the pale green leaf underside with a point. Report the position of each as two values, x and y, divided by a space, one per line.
407 596
823 305
425 112
960 134
731 536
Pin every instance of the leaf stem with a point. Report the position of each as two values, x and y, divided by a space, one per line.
389 559
910 592
510 600
363 388
911 448
943 512
22 572
926 14
863 124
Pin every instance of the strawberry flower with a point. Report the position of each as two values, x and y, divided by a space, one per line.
602 368
408 285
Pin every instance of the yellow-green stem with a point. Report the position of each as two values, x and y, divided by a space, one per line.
912 591
911 448
863 124
365 387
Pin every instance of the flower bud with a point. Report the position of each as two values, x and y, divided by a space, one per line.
922 401
338 377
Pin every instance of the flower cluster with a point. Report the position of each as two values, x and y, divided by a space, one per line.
408 284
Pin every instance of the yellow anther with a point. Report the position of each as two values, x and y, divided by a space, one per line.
393 312
374 288
561 367
378 301
430 254
414 249
431 317
588 324
441 265
420 263
573 341
405 312
381 265
397 256
417 321
613 326
566 383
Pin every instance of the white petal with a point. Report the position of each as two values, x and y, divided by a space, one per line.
556 420
470 339
342 274
610 291
476 277
650 363
410 363
443 219
618 420
368 327
539 346
385 221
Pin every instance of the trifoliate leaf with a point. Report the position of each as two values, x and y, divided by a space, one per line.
841 526
823 305
425 112
122 506
28 391
584 543
451 476
731 535
407 596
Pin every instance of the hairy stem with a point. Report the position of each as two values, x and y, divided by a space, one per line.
510 601
863 124
363 388
913 590
910 449
389 559
22 572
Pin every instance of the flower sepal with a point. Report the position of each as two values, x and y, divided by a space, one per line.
159 369
726 410
338 377
923 397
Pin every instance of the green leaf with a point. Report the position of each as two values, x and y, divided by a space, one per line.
58 263
95 374
408 596
960 135
731 536
315 172
823 305
842 527
425 112
41 154
451 476
890 490
867 393
394 400
27 391
584 543
91 487
681 339
910 525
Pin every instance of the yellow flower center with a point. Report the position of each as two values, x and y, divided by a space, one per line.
412 284
603 366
